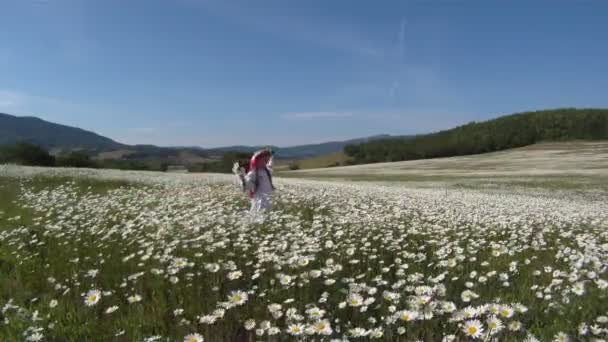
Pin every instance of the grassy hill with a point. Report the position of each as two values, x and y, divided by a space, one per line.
503 133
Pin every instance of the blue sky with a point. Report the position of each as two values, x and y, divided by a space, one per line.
282 72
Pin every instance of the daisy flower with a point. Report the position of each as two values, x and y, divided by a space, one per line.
473 328
238 298
407 315
111 309
531 338
323 328
515 326
35 337
134 299
579 289
561 337
194 338
355 299
295 329
494 325
92 297
249 324
507 311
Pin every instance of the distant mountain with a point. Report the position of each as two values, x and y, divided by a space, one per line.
52 136
305 151
314 150
14 129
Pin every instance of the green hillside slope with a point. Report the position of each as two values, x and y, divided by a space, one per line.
505 132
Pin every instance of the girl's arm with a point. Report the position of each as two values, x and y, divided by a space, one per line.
270 164
250 180
240 175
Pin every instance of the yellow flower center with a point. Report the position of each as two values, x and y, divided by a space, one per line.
93 298
472 330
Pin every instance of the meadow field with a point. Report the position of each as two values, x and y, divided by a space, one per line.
102 255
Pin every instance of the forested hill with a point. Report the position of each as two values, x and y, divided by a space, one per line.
505 132
15 129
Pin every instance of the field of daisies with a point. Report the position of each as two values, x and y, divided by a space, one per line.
91 255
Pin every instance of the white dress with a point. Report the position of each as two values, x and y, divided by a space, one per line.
262 192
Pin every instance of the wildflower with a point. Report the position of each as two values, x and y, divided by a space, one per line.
194 338
376 333
579 288
495 325
295 329
323 328
92 297
449 307
473 328
407 315
238 298
53 303
207 319
583 329
249 324
285 280
506 311
561 337
470 312
315 313
531 338
515 326
134 299
357 332
468 295
234 275
111 309
315 274
354 300
35 337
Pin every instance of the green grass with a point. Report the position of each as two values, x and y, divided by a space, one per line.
63 227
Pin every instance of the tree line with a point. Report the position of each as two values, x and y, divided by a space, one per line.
516 130
33 155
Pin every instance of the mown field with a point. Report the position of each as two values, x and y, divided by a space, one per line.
569 165
100 255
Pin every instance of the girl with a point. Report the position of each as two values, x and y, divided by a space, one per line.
257 180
